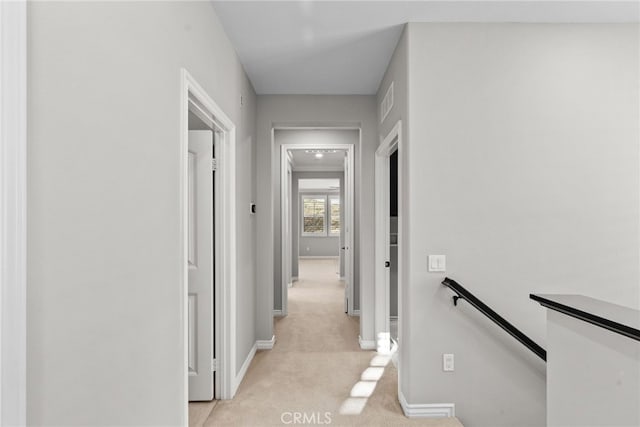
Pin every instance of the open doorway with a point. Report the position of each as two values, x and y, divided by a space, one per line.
393 246
317 223
317 197
208 241
389 242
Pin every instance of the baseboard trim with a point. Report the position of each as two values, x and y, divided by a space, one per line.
266 344
356 313
277 313
426 410
366 344
243 370
294 279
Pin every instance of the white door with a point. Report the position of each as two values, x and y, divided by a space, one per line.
288 231
346 233
201 265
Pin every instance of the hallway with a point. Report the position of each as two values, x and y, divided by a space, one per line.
315 364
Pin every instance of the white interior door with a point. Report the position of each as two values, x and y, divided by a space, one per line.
289 233
347 232
201 266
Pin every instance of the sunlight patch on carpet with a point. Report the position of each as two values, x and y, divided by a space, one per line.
363 389
353 406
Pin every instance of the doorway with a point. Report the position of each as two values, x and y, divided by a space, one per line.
291 230
207 209
389 241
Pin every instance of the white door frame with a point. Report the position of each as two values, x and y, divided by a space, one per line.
389 144
287 233
349 218
224 240
13 213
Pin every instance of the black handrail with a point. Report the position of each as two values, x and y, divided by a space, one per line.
580 307
462 293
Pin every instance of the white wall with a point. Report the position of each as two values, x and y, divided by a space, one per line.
105 326
306 110
593 375
524 171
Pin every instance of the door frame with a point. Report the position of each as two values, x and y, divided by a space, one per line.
13 212
349 201
224 240
388 144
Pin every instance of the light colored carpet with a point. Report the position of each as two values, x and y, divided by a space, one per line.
315 370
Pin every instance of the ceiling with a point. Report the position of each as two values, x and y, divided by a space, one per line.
303 161
343 47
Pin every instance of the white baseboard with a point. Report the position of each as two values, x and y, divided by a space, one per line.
367 344
243 369
277 313
266 344
294 279
426 410
355 313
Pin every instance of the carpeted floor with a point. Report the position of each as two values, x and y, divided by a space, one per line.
316 373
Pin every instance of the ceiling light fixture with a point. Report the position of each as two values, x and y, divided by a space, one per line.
319 155
321 151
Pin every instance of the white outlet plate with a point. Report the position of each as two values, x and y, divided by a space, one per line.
447 362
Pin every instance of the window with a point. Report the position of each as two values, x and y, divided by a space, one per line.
334 214
314 215
320 215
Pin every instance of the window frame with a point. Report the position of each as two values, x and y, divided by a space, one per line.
325 230
327 213
331 197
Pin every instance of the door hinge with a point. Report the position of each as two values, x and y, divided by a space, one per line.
214 365
214 164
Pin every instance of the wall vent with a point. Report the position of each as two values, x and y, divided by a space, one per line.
386 104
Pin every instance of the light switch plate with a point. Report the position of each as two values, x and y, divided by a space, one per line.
447 362
437 263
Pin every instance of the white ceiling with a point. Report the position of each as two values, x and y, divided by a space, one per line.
303 161
344 47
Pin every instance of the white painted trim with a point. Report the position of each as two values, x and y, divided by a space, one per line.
349 222
13 213
286 176
266 344
366 344
356 312
426 410
225 240
294 278
243 369
277 313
